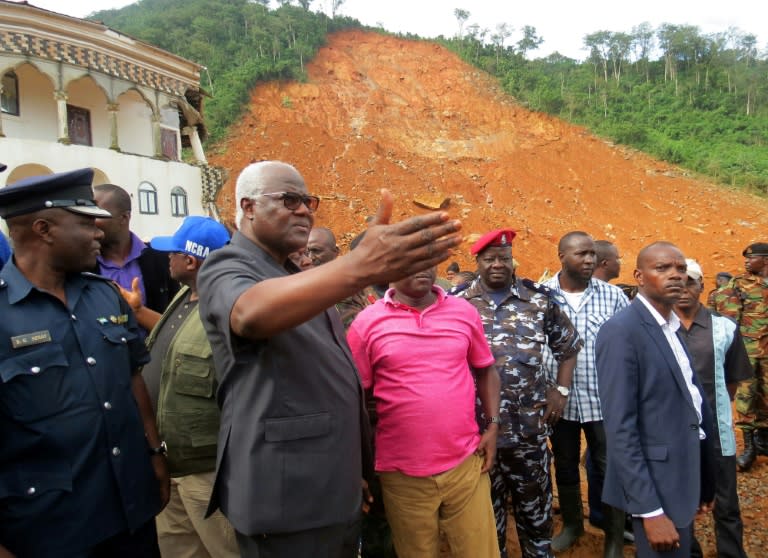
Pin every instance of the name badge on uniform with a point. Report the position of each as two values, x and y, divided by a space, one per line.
29 339
121 319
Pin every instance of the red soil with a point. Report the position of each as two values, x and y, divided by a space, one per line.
381 112
410 116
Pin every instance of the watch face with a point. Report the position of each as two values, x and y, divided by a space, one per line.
564 391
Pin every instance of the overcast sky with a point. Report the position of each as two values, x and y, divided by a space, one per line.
561 23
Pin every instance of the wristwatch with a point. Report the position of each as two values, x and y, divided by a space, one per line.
162 449
496 419
562 390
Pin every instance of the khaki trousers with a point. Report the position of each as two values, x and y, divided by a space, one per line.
183 531
456 502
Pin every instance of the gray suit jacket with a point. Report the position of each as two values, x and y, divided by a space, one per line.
654 455
293 436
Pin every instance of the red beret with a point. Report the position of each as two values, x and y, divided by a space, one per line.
499 237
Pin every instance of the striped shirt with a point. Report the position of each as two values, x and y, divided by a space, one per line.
599 302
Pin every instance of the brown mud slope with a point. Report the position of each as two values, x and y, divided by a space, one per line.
410 116
380 112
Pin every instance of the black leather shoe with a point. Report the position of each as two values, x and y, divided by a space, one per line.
747 458
761 441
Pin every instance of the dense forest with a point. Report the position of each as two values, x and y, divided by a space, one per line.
693 99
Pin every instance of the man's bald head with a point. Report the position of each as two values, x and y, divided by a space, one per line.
321 246
569 238
114 196
648 254
608 261
661 275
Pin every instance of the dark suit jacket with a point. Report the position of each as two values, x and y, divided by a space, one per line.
159 286
294 439
654 455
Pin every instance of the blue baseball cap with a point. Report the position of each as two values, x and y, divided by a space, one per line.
197 236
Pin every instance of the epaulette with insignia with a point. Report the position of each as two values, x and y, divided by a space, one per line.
90 275
630 291
456 289
543 289
115 287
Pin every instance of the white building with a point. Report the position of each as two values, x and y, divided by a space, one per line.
75 94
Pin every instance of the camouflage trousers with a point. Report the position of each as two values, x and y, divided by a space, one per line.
752 398
521 477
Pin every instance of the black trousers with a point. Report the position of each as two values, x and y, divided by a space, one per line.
566 448
729 529
340 540
139 543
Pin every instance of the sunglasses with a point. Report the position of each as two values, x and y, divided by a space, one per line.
292 201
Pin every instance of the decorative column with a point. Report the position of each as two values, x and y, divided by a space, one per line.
197 145
112 108
2 135
156 135
61 105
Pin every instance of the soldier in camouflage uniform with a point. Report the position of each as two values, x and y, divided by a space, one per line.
745 299
520 317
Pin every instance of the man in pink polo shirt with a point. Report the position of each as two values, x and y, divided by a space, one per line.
416 349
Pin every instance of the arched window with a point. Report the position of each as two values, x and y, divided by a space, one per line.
147 198
9 98
179 202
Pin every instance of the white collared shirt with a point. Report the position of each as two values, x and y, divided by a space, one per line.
669 327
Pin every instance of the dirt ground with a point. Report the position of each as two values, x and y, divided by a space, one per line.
381 112
753 496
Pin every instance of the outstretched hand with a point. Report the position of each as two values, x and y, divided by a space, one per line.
384 212
392 251
132 297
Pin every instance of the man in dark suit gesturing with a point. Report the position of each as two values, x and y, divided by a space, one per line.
293 427
658 461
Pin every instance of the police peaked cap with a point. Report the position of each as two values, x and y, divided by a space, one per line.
756 249
66 190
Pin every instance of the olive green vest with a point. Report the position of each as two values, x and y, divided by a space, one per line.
187 413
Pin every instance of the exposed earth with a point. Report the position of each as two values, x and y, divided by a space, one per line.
379 112
382 112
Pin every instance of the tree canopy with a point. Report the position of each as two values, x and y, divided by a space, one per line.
694 99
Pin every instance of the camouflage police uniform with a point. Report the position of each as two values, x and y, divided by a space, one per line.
745 299
517 330
351 306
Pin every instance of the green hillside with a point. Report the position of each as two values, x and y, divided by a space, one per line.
697 100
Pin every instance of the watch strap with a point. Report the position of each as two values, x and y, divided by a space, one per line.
162 449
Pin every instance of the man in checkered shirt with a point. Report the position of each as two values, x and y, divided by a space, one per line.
588 302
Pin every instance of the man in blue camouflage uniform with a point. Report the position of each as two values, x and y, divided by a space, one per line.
520 317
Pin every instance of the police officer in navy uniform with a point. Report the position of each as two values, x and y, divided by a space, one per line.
82 469
5 249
